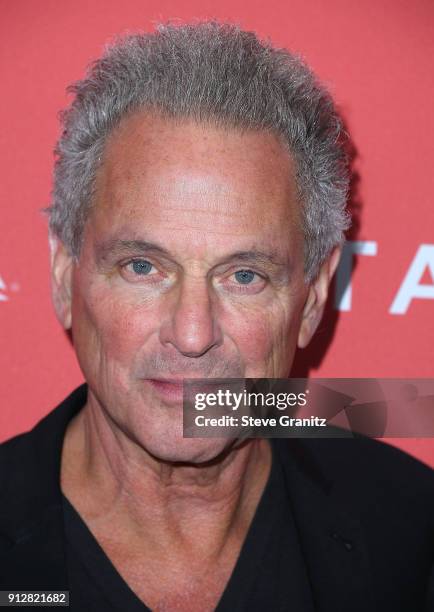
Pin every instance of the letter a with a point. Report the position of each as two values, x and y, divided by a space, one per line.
411 287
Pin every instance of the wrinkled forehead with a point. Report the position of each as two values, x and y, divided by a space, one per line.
197 181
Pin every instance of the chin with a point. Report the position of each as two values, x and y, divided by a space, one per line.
158 429
187 450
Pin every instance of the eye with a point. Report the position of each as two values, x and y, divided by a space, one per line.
144 273
244 277
136 270
245 282
141 266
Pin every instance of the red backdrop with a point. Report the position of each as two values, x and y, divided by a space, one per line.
376 57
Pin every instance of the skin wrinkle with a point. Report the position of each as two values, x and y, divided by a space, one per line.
108 252
114 247
153 499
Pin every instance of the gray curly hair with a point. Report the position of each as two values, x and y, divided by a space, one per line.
206 71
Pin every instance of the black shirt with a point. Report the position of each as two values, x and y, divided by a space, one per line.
269 574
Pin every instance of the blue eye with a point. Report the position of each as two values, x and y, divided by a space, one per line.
141 266
244 277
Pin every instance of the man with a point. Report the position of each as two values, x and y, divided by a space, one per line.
197 220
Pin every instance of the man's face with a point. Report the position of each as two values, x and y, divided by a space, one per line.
191 266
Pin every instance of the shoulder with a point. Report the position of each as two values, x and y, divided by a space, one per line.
15 446
15 455
372 476
357 453
35 455
370 460
373 495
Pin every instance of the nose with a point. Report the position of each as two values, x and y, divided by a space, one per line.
190 325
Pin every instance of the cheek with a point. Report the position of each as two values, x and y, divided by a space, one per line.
108 330
253 338
263 335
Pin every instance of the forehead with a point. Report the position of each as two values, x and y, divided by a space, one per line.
167 176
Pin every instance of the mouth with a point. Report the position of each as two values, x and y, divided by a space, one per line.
171 389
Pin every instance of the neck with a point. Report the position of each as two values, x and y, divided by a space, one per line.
113 481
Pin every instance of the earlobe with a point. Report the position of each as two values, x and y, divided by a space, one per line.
317 297
61 281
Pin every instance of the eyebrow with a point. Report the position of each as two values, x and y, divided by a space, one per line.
254 256
115 247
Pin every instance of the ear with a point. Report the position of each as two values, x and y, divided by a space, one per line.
61 281
317 297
